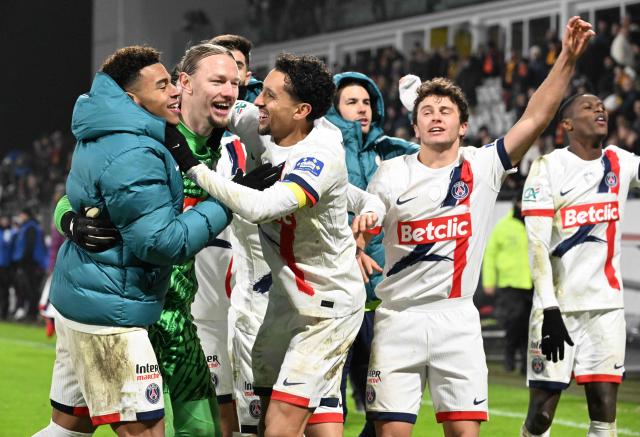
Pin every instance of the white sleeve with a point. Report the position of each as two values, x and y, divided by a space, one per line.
539 236
379 187
244 123
359 202
255 206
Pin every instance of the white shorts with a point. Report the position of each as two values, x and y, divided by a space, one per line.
442 347
597 355
299 359
111 378
214 338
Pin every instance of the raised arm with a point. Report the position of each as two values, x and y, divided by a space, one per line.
545 101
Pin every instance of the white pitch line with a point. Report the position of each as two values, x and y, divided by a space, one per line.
556 421
30 343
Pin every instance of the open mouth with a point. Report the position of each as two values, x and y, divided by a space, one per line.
436 130
601 120
221 108
174 107
263 116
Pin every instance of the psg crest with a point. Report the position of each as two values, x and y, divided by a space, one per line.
370 394
460 190
537 365
152 393
255 409
611 179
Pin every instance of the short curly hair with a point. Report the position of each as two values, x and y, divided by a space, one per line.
124 65
442 87
307 80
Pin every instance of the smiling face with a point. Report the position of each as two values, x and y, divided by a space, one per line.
212 89
355 105
438 122
154 92
586 119
277 107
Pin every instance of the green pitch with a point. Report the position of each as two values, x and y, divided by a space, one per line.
25 377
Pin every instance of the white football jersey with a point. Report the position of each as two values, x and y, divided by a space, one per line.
214 263
312 251
437 224
585 200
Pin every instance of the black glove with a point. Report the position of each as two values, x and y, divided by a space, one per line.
259 178
554 334
92 234
176 143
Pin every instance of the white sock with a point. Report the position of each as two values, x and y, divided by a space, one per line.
602 429
55 430
524 432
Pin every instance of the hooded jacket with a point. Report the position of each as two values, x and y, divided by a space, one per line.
121 166
363 154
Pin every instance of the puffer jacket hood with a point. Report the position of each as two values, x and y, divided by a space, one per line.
107 109
377 106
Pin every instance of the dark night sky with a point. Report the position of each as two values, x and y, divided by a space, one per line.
45 47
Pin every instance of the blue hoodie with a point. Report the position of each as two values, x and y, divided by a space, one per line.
363 154
121 166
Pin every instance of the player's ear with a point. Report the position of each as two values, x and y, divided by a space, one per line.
302 111
184 82
463 129
567 125
416 131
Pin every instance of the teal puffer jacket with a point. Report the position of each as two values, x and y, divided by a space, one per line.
364 154
121 166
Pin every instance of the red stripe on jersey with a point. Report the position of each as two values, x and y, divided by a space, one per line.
450 416
609 270
227 278
583 379
538 212
374 231
289 398
242 157
462 244
326 418
105 419
190 202
80 411
287 237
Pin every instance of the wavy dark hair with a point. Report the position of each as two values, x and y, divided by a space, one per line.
442 87
124 65
307 80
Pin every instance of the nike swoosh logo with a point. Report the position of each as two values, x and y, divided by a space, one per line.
562 193
477 402
288 384
618 366
401 202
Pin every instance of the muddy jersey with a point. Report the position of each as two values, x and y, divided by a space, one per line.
585 200
437 224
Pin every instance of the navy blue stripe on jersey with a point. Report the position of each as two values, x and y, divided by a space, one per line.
150 415
455 177
263 284
234 157
292 177
581 236
224 399
548 385
419 253
219 242
391 417
503 155
330 402
603 187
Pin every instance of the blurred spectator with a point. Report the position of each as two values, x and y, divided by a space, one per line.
29 258
506 274
6 237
